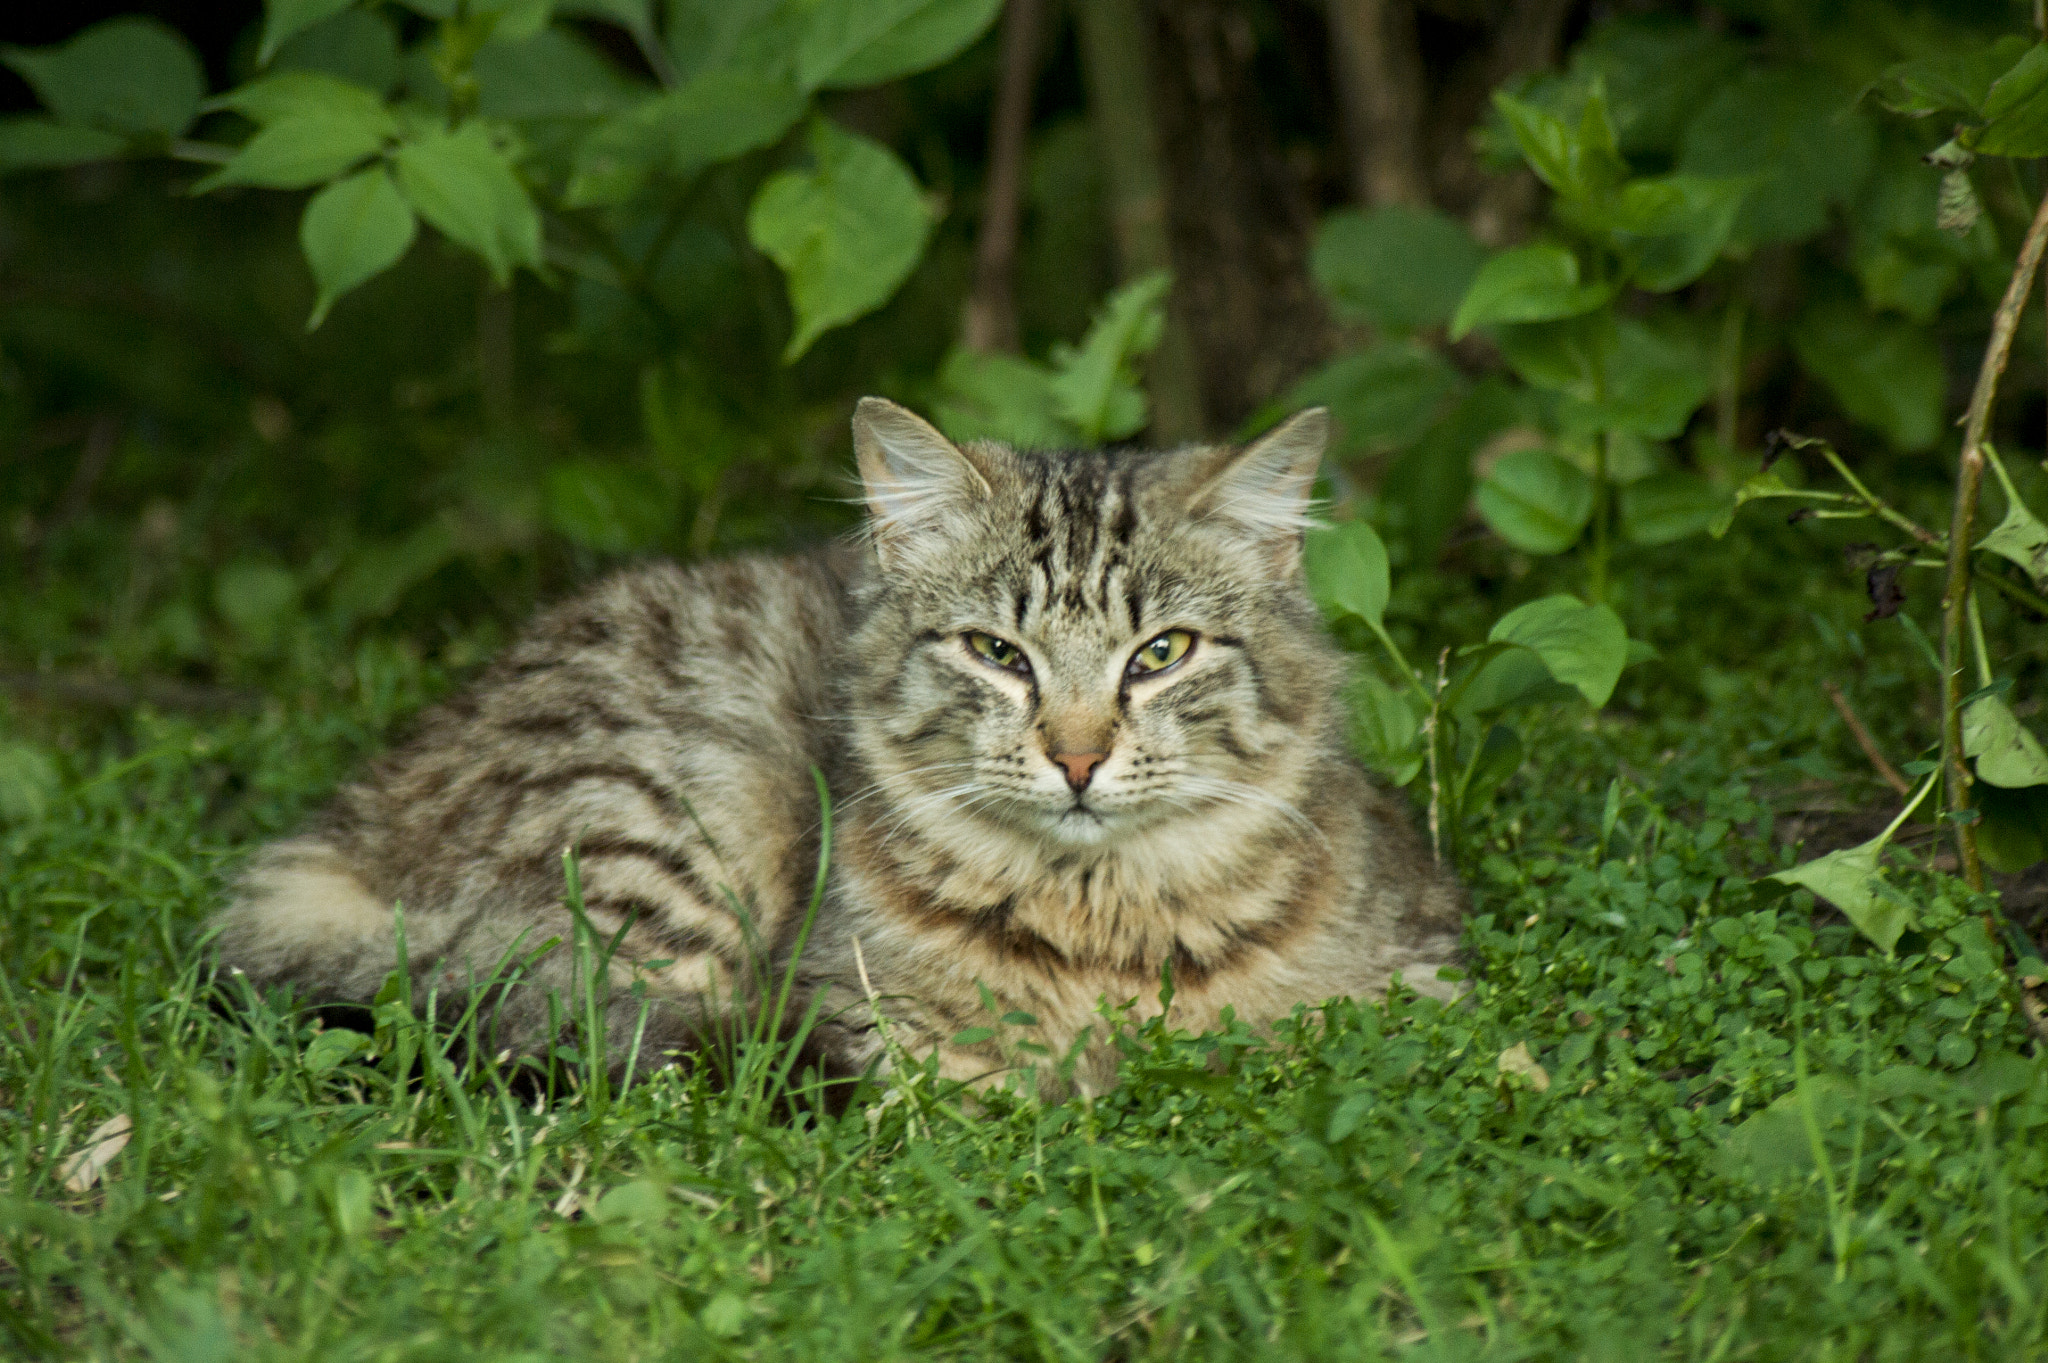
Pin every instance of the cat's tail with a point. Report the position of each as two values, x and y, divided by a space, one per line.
301 916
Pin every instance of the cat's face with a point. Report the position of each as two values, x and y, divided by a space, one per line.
1085 646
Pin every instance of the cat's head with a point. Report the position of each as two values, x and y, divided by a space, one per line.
1084 646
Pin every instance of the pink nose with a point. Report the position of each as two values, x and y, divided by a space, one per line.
1080 766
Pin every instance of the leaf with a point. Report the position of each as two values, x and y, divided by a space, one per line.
1500 756
256 599
1950 81
304 149
2013 832
352 230
2015 109
380 574
1886 373
973 1036
1576 163
356 45
1501 675
284 18
1427 487
34 143
553 74
2007 754
607 506
1665 507
1677 225
1396 267
846 232
851 43
1383 398
1774 1144
28 782
998 397
2021 537
1852 880
131 76
1797 131
1517 1061
1386 724
1584 646
332 1047
462 184
288 95
1536 501
1346 566
1766 484
1653 379
716 117
1528 284
1094 385
82 1167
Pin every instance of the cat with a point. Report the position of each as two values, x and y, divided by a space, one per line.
1080 725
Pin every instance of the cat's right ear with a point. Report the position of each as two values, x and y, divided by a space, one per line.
912 475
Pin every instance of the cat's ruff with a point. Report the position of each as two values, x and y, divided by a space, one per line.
1079 720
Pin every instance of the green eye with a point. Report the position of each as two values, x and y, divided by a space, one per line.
1001 652
1161 653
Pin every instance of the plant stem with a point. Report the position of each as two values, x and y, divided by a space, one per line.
1956 595
1977 638
2011 591
1597 574
1878 505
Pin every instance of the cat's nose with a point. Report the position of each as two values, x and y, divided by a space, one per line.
1079 765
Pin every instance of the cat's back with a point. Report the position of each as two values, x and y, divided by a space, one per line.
664 722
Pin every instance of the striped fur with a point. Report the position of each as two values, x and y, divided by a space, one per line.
666 724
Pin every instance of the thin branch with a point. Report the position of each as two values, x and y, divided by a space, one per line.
1956 589
1865 741
113 693
991 320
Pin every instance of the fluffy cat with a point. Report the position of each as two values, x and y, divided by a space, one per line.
1079 720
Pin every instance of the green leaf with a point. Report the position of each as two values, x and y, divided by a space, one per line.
304 149
28 782
288 95
1501 675
1852 880
1500 756
1528 284
1577 163
1885 372
1346 566
1675 226
998 397
716 117
284 18
462 184
1654 378
2013 832
1764 485
130 75
1798 131
1383 398
851 43
1536 501
2015 110
34 143
846 232
1386 724
2007 753
257 599
352 230
1427 486
1665 507
357 45
2021 537
973 1036
607 506
553 74
1395 267
1948 82
1584 646
1094 385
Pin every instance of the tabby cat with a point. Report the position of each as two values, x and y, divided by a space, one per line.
1079 720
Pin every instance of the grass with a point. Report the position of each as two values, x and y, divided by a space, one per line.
1682 1115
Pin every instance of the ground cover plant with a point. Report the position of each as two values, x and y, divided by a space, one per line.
1688 1110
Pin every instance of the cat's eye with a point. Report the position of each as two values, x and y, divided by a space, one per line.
1161 653
1001 652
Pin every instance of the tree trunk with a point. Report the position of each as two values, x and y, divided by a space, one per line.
1378 68
1117 66
1240 222
991 319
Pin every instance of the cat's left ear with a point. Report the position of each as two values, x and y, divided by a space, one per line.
913 476
1265 487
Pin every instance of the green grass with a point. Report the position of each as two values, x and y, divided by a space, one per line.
1752 1137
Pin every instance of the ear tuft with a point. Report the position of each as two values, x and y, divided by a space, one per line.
911 474
1265 487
